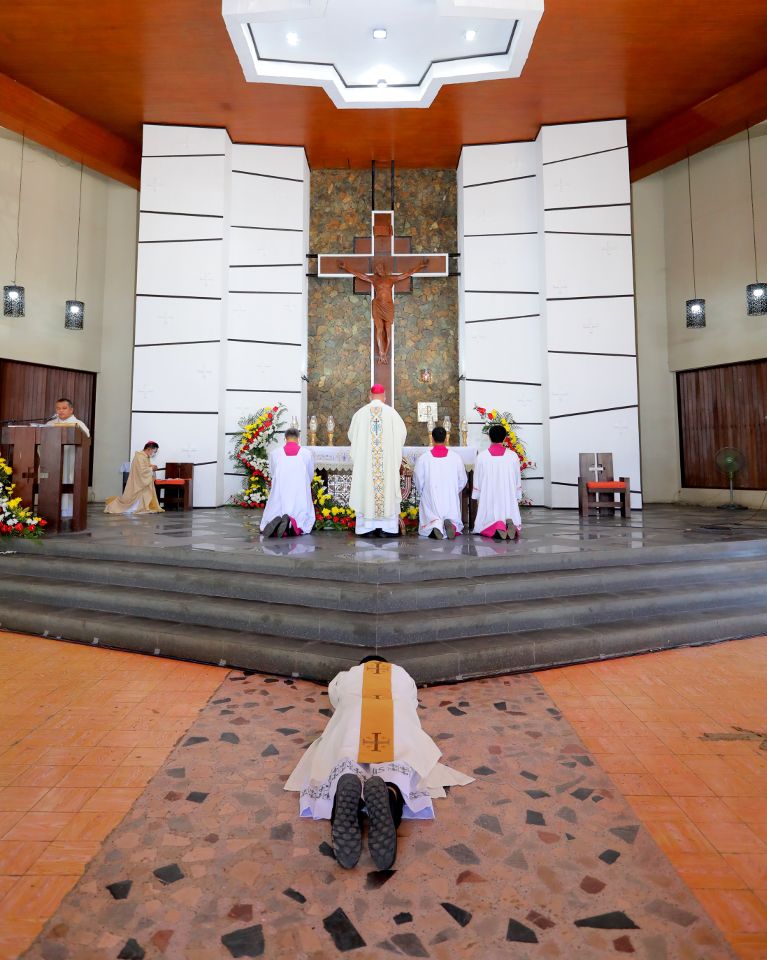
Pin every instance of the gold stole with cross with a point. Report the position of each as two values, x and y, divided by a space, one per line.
377 718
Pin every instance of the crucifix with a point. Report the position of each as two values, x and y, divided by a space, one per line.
597 468
382 265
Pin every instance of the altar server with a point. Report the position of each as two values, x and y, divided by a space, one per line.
289 511
377 435
439 477
65 417
498 487
374 757
140 494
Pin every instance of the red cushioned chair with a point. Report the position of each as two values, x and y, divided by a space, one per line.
598 490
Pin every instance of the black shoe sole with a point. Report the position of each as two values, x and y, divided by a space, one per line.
270 528
382 834
346 830
282 527
450 530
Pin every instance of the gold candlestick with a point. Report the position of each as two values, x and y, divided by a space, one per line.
331 426
464 433
312 431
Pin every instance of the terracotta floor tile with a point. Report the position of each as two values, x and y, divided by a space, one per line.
619 762
84 775
112 799
707 871
683 784
55 756
701 809
40 776
38 826
64 859
760 828
752 867
657 808
6 883
146 757
8 774
89 826
7 820
736 911
124 776
732 837
35 897
17 856
637 784
749 946
748 808
16 935
64 799
678 836
104 756
20 798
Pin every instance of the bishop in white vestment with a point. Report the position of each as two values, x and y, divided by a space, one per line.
498 487
289 509
377 435
65 417
439 477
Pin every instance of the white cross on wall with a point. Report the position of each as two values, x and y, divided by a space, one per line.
189 453
596 468
144 392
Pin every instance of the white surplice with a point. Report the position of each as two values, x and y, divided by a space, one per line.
415 768
291 490
439 481
498 487
68 466
377 435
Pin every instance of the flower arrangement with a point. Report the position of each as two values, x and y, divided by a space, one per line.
15 520
328 513
252 445
512 441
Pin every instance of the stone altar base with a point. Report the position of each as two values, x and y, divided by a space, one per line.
204 586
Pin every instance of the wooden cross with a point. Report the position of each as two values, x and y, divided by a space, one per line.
382 247
378 741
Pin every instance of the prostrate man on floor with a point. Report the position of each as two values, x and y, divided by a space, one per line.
377 435
439 477
498 487
65 417
140 494
289 511
372 757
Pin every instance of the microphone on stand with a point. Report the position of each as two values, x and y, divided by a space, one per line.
23 420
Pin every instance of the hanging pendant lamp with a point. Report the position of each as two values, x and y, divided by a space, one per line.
756 293
74 313
13 293
696 308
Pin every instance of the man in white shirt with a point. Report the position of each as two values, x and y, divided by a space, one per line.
439 477
289 511
65 417
377 435
498 487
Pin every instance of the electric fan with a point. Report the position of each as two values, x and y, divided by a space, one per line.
729 461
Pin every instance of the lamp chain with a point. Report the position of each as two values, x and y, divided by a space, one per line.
79 218
753 214
692 234
18 212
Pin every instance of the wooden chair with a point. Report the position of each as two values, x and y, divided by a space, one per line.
597 488
176 489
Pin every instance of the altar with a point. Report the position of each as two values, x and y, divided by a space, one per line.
334 464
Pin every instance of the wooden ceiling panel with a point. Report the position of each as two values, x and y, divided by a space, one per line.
119 65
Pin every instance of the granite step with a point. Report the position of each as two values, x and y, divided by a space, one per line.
385 630
436 662
385 598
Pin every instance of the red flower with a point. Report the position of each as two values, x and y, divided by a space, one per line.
275 409
490 416
481 410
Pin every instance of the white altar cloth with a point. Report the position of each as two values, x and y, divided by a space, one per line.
339 458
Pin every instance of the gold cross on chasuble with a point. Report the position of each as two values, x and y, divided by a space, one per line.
377 717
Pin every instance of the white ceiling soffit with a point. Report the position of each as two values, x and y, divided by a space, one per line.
330 44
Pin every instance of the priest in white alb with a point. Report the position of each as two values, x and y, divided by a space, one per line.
289 511
439 477
377 435
498 487
65 417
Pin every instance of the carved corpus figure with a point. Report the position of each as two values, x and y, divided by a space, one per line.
382 307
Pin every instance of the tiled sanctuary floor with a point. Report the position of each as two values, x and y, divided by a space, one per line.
544 839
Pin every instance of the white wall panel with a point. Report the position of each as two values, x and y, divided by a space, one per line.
267 316
178 141
267 202
244 403
500 263
174 319
533 490
503 350
272 161
588 266
168 226
184 185
576 139
251 246
587 181
615 219
234 485
579 382
180 269
492 306
263 366
498 161
176 377
506 207
282 279
592 326
523 402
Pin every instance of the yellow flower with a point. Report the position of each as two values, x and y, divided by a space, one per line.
334 511
413 511
403 514
326 512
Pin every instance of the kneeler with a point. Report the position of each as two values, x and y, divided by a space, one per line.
597 488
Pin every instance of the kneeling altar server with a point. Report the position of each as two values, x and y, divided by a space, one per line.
140 495
498 487
439 477
373 757
289 511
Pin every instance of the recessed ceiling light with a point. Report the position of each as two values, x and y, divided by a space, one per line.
382 83
379 33
292 39
470 34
